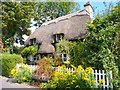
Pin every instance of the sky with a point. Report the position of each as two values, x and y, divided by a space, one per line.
98 6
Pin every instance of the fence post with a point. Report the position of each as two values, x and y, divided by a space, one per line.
103 73
107 80
72 70
111 76
96 74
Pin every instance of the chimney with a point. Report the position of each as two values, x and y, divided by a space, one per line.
88 7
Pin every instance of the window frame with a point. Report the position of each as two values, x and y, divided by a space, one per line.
66 58
33 41
58 37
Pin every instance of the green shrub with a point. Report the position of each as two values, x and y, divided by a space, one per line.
31 50
27 51
8 62
22 73
17 49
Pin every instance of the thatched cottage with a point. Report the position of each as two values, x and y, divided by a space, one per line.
70 27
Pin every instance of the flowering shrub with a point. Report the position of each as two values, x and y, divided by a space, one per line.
80 78
83 78
44 68
22 73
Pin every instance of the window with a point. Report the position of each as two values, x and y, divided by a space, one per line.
46 55
33 58
58 37
33 41
65 57
36 58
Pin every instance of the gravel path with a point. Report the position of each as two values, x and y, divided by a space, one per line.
5 85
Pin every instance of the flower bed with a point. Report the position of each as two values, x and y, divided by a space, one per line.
80 78
22 73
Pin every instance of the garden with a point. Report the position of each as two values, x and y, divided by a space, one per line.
99 50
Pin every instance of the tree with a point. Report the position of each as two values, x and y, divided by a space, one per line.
50 10
16 19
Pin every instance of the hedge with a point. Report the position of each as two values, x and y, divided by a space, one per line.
8 62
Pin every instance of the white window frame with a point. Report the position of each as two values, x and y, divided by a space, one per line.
33 58
63 58
58 37
33 41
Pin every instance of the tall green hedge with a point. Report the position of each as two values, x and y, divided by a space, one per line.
8 62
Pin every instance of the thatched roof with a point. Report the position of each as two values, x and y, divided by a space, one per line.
72 26
46 48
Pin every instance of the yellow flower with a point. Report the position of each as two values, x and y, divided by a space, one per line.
101 81
89 70
76 86
12 71
94 81
24 78
73 66
67 62
85 78
73 81
80 68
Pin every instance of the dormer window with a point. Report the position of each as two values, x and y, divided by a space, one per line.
33 41
58 37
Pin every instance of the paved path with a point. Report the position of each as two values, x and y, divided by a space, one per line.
8 85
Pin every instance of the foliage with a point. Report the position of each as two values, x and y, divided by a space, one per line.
100 48
50 10
101 43
22 73
80 78
17 49
16 19
44 68
57 61
117 50
9 61
76 54
74 49
31 50
64 46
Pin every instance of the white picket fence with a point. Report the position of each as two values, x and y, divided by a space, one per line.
99 74
32 67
